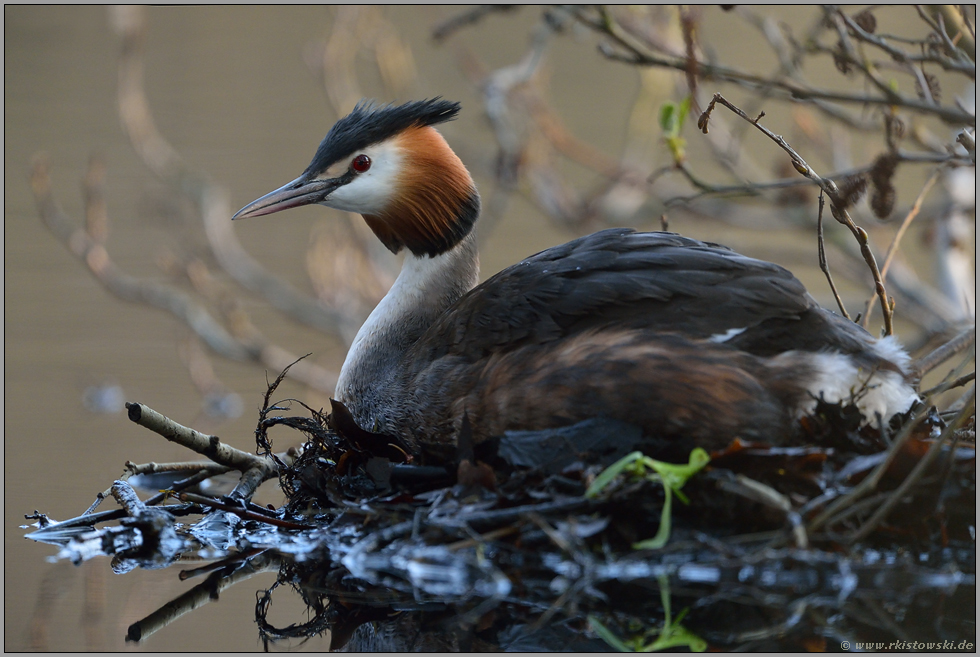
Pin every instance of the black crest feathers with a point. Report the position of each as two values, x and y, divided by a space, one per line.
369 123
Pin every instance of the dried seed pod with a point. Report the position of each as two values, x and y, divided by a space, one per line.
883 200
937 47
866 21
883 169
852 188
841 60
895 127
933 83
883 191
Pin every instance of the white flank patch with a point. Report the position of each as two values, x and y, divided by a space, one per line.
837 378
727 335
890 349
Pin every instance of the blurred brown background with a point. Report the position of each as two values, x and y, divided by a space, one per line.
238 93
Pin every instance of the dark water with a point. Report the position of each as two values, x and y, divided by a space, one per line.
229 89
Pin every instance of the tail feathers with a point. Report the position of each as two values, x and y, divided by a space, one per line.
877 391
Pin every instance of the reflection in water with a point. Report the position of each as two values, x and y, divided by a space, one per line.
544 556
51 591
53 596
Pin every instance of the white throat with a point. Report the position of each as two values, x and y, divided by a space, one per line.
424 289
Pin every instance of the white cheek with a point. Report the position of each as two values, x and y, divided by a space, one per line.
370 192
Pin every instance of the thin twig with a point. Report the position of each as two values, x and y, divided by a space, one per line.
933 359
949 385
915 475
759 492
870 482
754 189
837 208
857 508
822 257
471 16
240 511
893 247
639 56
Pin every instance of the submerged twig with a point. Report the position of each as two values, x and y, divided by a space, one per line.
202 594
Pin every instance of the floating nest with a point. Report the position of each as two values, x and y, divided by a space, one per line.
576 539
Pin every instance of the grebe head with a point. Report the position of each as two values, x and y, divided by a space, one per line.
390 165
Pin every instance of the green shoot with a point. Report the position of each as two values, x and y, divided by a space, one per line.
672 476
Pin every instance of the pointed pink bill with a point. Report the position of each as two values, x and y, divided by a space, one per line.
301 191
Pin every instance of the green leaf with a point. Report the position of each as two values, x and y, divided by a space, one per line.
672 476
672 117
612 472
668 119
671 635
606 635
676 146
675 475
674 635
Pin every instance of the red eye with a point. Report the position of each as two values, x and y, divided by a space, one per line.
361 163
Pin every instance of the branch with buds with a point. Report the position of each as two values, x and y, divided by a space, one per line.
837 206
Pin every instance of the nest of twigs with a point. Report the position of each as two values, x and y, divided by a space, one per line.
505 547
588 537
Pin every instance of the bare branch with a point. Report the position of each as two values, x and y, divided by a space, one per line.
837 208
447 28
938 356
210 467
212 201
822 257
949 385
175 301
790 90
754 189
254 469
122 285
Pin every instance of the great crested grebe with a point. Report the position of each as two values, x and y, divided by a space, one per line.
687 339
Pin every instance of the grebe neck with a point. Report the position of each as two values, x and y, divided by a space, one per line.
425 288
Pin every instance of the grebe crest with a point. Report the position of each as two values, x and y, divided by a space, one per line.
389 164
